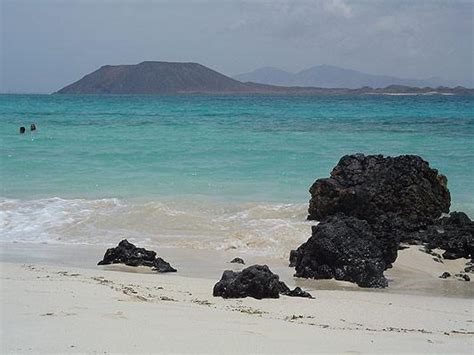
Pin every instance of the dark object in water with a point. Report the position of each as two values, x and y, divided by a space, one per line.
33 127
255 281
345 248
445 275
369 186
128 254
22 130
238 261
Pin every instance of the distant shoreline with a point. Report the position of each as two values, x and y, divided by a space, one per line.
158 78
303 91
324 92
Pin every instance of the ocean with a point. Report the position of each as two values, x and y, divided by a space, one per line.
206 172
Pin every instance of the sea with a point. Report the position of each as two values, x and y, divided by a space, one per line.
206 172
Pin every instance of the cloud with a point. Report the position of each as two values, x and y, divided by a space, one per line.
50 43
338 7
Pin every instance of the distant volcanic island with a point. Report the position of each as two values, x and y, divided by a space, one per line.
164 78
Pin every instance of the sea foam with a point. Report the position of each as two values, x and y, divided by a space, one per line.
262 228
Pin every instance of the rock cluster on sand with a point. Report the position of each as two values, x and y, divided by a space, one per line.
367 207
128 254
255 281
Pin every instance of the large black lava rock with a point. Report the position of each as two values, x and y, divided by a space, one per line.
256 281
344 248
128 254
369 186
367 207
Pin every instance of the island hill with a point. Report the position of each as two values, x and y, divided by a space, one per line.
159 78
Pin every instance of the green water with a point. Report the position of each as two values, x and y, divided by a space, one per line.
215 149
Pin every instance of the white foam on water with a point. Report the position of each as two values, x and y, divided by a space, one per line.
262 228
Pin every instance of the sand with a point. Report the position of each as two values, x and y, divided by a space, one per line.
58 301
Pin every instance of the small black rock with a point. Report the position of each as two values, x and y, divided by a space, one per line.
298 292
162 266
238 261
445 275
469 269
255 281
128 254
463 277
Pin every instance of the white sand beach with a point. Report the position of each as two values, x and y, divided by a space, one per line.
49 306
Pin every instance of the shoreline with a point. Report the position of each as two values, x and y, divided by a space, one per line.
102 309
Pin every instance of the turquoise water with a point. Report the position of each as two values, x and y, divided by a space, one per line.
208 155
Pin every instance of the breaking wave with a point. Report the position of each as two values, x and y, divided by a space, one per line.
262 228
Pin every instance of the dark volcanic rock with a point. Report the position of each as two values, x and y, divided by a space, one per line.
161 265
454 234
256 281
344 248
238 261
469 267
445 275
463 277
367 208
369 186
128 254
294 255
297 292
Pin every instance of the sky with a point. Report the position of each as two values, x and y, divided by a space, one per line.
47 44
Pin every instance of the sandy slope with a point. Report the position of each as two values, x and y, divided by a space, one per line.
57 308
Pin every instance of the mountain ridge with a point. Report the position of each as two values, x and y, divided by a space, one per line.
159 77
329 76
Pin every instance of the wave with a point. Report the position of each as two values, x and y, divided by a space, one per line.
262 228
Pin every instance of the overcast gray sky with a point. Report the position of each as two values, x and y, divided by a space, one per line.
46 44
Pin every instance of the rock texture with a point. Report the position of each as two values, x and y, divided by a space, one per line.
255 281
344 248
368 207
367 187
128 254
454 234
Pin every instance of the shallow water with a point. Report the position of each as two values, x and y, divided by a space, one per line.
218 172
